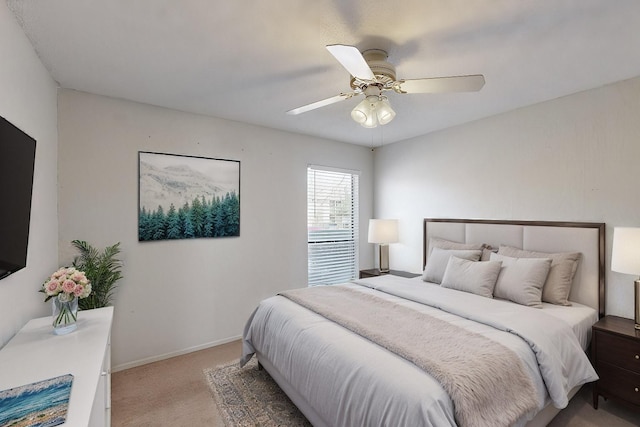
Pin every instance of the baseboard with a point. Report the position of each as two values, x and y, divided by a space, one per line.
144 361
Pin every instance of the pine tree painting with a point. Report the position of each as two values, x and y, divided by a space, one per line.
186 197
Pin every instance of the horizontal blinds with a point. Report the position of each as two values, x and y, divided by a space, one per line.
332 225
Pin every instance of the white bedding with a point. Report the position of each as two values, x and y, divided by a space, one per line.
578 316
367 385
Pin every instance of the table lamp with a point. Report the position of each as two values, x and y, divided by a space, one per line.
625 258
383 232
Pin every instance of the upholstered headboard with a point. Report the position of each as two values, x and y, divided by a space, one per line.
545 236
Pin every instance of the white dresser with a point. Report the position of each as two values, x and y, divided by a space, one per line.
36 354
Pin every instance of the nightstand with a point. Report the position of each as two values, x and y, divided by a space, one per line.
374 272
615 350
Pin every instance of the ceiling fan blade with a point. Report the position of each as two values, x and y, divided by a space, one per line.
471 83
322 103
352 60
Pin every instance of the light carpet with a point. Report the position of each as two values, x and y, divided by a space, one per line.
250 397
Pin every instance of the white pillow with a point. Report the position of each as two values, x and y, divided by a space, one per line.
439 258
435 242
563 267
521 279
469 276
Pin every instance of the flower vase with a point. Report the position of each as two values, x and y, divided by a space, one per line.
65 313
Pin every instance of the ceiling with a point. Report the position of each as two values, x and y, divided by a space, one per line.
252 60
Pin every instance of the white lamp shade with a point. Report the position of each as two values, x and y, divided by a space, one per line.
384 112
372 111
361 112
383 231
625 255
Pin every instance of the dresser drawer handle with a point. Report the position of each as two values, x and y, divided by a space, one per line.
636 389
637 357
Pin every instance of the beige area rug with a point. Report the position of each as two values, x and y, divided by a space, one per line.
250 397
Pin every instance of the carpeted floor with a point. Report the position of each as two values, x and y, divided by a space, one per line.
249 397
175 392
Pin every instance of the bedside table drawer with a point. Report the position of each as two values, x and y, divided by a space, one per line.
619 382
621 352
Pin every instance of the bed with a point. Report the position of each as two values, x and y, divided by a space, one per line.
382 351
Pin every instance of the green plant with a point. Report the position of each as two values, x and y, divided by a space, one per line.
102 269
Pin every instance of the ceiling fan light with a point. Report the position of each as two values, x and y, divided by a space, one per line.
384 112
371 122
361 112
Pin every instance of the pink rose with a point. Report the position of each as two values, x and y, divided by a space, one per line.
68 286
77 276
78 290
61 272
52 287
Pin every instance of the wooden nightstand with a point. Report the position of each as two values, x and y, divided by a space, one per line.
374 272
615 350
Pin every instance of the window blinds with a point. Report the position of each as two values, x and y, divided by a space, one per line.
332 225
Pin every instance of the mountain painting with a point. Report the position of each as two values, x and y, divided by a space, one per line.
186 197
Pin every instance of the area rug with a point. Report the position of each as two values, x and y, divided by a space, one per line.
250 397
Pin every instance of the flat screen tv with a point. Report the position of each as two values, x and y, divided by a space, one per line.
17 158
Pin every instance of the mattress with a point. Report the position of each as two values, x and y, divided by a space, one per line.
349 380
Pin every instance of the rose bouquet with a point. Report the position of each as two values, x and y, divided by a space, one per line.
66 284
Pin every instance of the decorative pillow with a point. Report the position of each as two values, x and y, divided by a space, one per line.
469 276
437 262
563 267
435 242
521 279
487 250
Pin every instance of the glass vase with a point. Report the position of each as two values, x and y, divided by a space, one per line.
65 313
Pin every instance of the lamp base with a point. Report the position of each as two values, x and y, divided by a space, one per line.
384 258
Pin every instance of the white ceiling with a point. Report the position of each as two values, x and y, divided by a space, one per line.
252 60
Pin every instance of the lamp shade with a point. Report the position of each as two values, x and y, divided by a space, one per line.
625 255
383 231
374 110
384 112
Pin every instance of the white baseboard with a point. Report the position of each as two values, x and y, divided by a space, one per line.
144 361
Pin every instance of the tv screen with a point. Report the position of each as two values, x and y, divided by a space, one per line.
17 158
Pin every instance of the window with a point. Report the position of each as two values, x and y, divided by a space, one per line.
332 225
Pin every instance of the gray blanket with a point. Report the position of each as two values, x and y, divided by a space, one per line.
486 381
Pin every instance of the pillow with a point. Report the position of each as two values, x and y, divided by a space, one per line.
435 242
521 279
437 262
486 252
475 277
563 267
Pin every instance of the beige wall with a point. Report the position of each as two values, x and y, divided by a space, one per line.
573 158
183 295
28 100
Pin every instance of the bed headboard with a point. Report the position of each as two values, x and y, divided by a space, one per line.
544 236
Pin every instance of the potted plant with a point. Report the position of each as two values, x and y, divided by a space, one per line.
102 269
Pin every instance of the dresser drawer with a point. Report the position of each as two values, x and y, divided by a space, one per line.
618 351
619 382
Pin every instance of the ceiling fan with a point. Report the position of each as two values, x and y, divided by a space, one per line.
372 75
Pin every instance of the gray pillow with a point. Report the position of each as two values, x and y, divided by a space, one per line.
521 279
563 268
469 276
439 258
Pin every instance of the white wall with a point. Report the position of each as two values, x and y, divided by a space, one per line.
28 100
573 158
183 295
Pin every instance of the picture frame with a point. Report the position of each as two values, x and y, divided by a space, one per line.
42 403
187 197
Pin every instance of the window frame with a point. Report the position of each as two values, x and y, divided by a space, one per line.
336 242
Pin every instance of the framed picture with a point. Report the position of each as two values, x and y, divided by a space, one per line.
187 197
43 403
